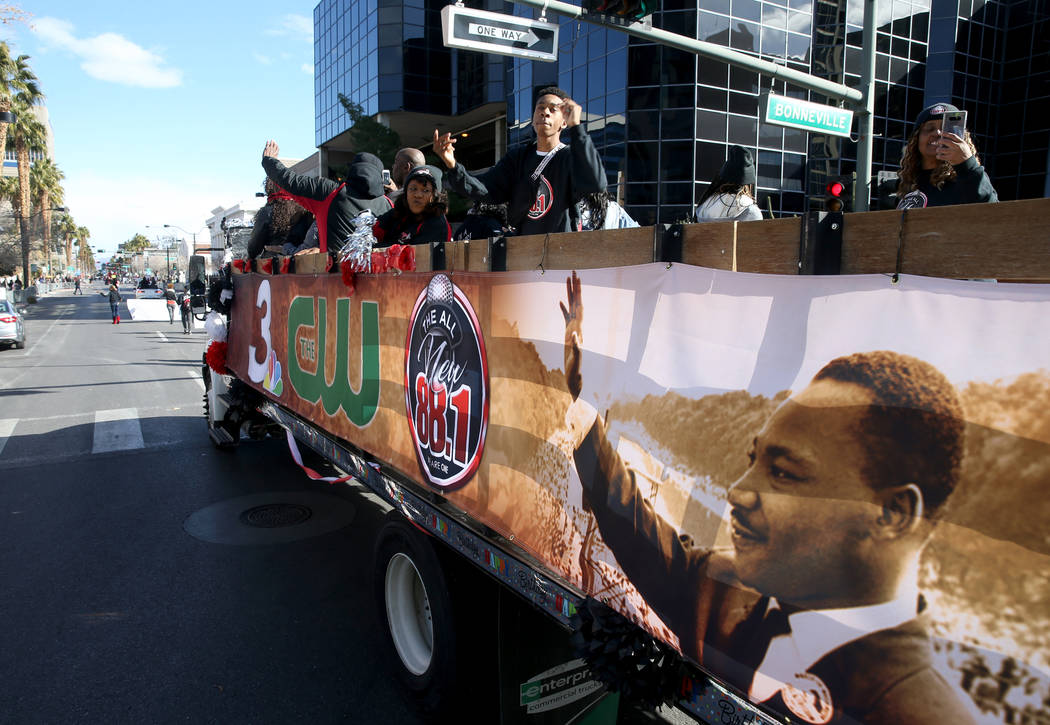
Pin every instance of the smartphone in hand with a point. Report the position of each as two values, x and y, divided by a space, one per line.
386 177
954 122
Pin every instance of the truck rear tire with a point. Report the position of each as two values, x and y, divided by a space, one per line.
413 600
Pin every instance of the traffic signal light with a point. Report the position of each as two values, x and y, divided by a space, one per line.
619 12
838 192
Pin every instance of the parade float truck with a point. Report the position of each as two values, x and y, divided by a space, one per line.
435 376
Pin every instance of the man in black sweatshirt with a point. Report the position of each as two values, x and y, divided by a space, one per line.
541 184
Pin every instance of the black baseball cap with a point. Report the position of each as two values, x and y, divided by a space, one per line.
427 173
937 109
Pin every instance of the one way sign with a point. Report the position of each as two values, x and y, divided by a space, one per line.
488 32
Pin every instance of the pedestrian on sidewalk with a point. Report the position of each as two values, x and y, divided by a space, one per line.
169 298
114 302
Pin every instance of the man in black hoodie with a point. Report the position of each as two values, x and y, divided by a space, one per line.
334 205
541 184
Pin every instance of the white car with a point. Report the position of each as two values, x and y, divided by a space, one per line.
12 327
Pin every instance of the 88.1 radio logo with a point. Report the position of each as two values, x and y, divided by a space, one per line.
446 385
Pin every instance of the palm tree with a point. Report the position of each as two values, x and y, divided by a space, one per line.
15 77
83 234
28 134
45 187
67 229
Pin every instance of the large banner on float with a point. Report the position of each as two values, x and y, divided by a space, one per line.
829 491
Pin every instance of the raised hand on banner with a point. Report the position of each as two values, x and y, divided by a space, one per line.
573 315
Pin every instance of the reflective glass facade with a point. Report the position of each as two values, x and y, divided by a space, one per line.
663 118
388 56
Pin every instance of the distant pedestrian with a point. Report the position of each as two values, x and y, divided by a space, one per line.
731 195
114 302
76 287
184 310
169 298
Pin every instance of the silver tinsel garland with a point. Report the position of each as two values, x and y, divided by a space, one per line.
357 247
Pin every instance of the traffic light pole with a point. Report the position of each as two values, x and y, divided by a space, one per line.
862 100
866 115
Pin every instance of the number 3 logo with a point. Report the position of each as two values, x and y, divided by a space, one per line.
256 369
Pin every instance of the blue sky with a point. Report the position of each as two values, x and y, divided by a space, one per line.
159 111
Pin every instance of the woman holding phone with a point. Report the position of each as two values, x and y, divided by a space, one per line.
940 168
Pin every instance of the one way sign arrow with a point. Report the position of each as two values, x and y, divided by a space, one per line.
490 32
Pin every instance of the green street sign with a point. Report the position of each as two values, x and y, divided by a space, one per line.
791 112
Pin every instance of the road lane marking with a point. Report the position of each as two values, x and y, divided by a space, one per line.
117 430
197 378
161 336
7 427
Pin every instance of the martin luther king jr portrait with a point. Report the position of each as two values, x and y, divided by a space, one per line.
814 610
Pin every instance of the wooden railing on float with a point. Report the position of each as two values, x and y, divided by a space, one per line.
1008 241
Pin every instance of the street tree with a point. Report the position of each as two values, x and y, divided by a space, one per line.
45 188
67 230
137 243
367 134
15 77
26 134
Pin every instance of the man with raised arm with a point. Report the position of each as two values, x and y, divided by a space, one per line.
541 184
814 610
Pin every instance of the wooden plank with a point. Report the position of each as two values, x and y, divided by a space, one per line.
769 246
710 244
581 250
1005 241
423 259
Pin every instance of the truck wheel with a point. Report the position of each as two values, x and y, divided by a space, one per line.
413 598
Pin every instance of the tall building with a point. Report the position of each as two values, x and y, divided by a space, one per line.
664 118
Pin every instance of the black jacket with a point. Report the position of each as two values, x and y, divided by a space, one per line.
971 186
393 228
549 204
334 205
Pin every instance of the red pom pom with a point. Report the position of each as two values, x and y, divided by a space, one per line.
241 265
265 265
402 257
286 265
346 270
378 262
216 356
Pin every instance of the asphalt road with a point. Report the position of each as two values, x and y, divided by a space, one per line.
131 588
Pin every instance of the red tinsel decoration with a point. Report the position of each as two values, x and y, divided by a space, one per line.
346 271
402 257
379 262
241 265
216 356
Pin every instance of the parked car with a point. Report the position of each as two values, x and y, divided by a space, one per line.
12 327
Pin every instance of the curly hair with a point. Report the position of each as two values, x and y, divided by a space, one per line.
911 166
286 213
914 429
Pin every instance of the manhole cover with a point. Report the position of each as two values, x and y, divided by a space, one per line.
275 515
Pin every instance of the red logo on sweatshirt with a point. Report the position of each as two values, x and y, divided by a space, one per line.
544 199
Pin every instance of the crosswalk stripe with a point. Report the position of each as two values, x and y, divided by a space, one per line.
197 378
7 427
117 430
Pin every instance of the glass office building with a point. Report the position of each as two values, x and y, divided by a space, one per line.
663 118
